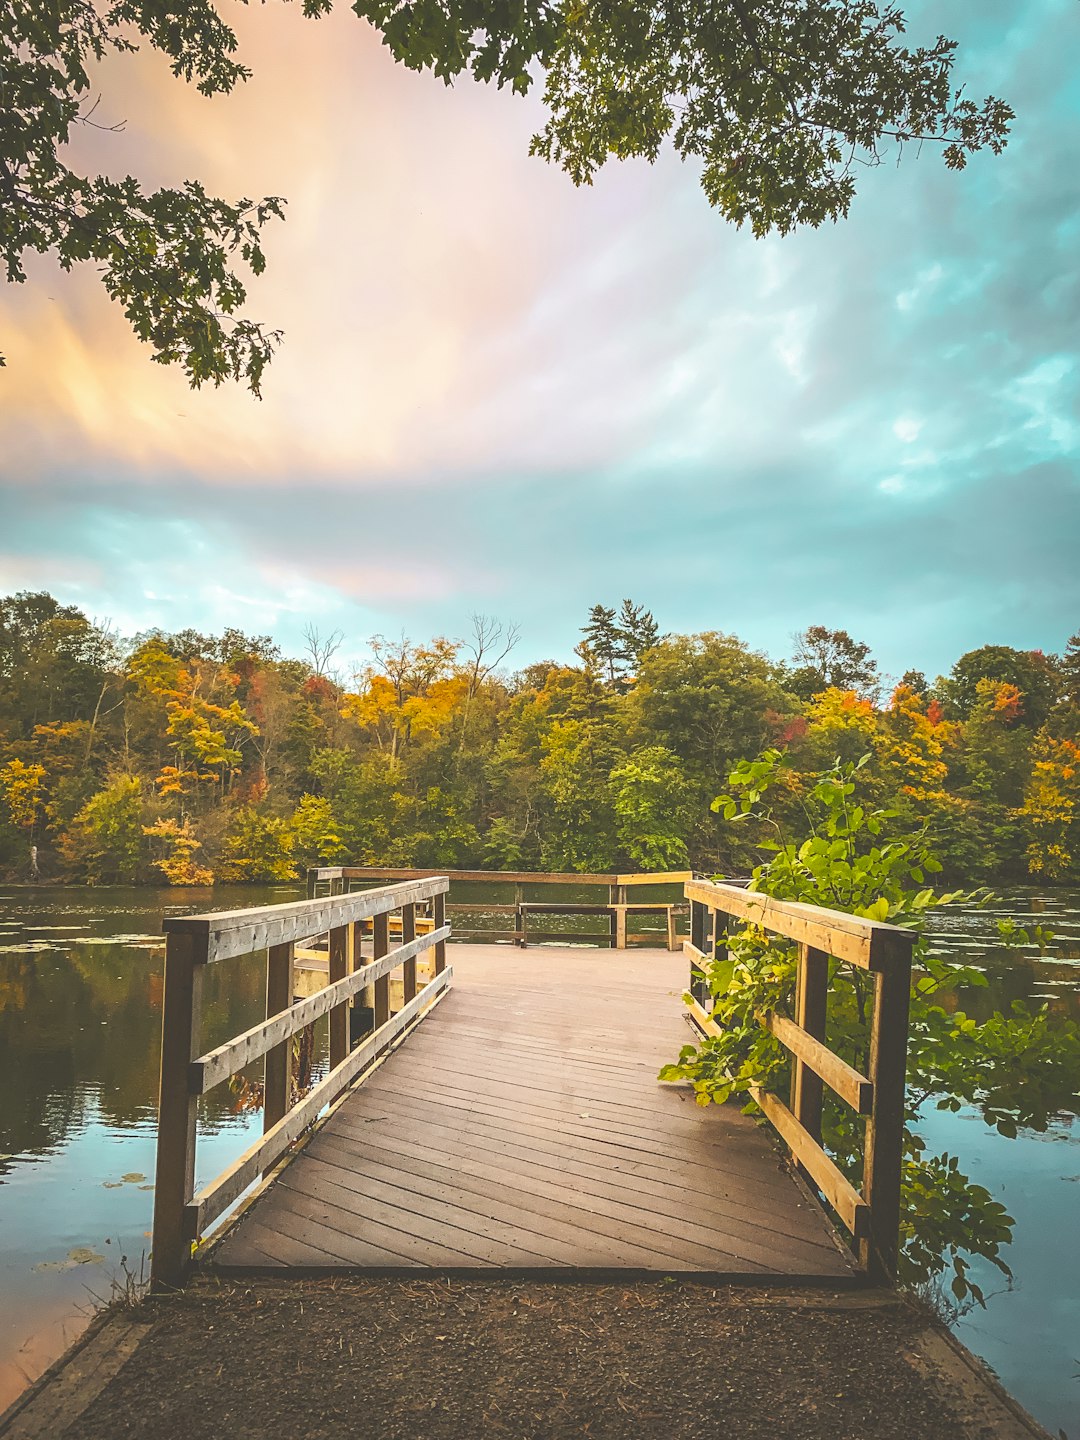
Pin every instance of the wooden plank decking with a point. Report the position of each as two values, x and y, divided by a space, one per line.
521 1127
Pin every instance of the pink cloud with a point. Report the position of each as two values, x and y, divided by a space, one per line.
450 305
417 576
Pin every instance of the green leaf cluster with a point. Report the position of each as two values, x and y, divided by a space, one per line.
780 103
168 256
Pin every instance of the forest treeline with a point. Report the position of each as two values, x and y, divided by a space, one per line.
187 759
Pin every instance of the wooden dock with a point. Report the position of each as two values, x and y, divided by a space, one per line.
522 1128
510 1116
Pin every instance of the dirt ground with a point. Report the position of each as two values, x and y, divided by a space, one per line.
444 1359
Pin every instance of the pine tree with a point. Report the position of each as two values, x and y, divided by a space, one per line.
639 632
603 641
1069 666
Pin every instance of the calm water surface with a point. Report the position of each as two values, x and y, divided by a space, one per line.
80 1031
80 1016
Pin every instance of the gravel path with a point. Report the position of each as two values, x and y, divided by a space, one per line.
391 1359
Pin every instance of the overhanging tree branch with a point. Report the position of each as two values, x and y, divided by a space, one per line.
768 98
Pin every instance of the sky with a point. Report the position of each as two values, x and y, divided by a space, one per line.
501 394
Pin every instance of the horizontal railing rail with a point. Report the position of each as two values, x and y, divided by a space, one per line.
338 879
327 873
241 932
193 942
872 1214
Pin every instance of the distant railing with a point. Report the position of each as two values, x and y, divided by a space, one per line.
195 941
619 910
872 1216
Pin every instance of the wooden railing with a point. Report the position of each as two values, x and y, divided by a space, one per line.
195 941
338 879
872 1216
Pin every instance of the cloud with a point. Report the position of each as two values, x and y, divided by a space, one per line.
501 393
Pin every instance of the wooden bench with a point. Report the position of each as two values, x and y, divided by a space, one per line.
616 913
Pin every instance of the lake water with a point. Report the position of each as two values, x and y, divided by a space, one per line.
80 1016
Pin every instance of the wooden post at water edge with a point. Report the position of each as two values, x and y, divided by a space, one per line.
277 1067
438 910
408 970
174 1179
339 1015
380 934
884 1144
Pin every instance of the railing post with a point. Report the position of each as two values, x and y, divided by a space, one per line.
698 988
719 935
885 1127
621 918
438 912
408 970
811 1009
312 883
717 944
365 999
178 1108
277 1067
339 1015
380 929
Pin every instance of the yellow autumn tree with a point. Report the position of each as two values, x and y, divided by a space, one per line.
177 858
913 759
204 721
914 746
841 724
376 709
22 787
1050 806
409 691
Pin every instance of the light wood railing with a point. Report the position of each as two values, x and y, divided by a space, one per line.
617 906
884 951
195 941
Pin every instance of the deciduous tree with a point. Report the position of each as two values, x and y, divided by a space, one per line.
105 839
654 809
830 659
1028 671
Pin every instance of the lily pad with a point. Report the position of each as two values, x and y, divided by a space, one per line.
80 1255
84 1255
133 1177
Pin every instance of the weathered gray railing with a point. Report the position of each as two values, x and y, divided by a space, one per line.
872 1216
195 941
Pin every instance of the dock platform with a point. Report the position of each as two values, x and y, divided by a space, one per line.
522 1128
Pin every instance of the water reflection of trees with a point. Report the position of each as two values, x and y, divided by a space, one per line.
80 1034
1012 977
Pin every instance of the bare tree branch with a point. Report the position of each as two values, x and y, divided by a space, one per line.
322 648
